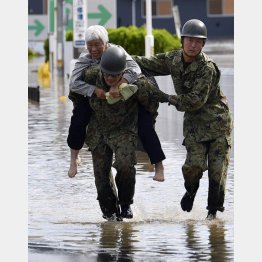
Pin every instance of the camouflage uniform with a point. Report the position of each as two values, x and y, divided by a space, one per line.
113 129
207 123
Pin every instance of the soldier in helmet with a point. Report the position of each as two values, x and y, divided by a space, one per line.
97 42
207 123
112 131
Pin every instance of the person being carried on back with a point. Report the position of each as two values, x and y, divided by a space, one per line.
97 42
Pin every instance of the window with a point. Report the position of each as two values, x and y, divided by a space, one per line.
160 8
220 7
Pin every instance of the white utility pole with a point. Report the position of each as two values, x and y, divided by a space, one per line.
149 40
60 40
177 20
133 12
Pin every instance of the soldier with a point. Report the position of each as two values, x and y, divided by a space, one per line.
207 123
113 130
80 91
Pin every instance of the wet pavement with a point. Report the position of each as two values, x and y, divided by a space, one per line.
65 222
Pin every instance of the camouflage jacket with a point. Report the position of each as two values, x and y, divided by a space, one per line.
198 92
111 121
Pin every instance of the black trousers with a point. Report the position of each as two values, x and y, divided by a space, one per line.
146 132
79 121
148 136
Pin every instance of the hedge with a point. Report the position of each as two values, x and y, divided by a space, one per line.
132 39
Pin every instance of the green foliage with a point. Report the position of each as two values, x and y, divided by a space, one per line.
132 39
32 54
69 35
46 48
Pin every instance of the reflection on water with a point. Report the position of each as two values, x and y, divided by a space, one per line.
65 222
129 241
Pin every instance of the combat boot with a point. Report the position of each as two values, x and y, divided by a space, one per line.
126 211
211 214
112 217
187 202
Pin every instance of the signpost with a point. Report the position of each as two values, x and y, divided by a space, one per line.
79 22
37 27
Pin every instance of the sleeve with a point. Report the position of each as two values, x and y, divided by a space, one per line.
199 94
76 83
148 93
157 65
132 71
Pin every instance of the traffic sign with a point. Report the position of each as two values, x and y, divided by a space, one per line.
102 12
37 27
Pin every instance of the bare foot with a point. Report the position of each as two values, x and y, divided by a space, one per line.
78 160
73 169
159 172
75 160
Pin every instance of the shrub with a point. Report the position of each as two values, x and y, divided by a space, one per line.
69 36
132 39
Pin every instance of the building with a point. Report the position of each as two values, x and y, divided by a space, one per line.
218 15
37 7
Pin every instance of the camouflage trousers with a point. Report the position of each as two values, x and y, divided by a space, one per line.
212 156
111 193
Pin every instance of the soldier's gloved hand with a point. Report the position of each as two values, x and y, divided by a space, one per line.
172 100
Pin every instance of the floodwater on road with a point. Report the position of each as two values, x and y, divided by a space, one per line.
65 222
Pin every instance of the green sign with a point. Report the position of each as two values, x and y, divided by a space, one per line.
103 15
51 16
38 27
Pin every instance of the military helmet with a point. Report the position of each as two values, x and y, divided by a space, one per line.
194 28
113 60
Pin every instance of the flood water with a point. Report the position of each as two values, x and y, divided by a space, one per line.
65 222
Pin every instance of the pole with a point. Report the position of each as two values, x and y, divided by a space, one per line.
60 38
134 12
149 40
177 20
51 33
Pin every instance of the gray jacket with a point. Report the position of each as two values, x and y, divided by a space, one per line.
79 86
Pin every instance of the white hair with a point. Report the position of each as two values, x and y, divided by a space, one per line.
95 32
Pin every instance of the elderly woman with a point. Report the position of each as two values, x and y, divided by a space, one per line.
97 42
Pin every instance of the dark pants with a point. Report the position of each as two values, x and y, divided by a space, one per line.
146 132
125 160
79 120
213 156
148 136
